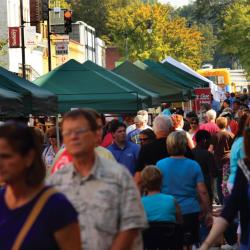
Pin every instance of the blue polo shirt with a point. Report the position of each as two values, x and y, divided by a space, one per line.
126 156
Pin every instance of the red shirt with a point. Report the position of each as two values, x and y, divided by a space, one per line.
211 127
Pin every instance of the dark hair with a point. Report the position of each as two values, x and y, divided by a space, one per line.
232 94
84 113
194 119
51 132
191 114
227 101
115 125
149 133
203 138
179 111
237 102
241 126
23 139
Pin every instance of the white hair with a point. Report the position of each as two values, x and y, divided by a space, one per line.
139 118
162 123
143 113
211 114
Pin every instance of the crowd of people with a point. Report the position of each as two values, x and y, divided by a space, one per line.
107 185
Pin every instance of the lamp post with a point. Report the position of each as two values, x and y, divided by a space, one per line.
22 40
149 25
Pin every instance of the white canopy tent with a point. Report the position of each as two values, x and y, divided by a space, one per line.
216 91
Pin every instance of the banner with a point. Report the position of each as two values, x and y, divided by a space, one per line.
14 37
203 96
30 36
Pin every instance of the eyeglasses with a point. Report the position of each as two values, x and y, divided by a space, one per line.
76 132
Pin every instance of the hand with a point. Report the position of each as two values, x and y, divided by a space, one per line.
209 219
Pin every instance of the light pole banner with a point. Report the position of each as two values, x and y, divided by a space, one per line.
30 36
14 37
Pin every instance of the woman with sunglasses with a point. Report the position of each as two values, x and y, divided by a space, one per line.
51 150
194 124
238 201
147 136
32 215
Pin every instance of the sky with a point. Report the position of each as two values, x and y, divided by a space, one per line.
176 3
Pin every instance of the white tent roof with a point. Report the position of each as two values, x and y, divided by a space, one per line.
216 91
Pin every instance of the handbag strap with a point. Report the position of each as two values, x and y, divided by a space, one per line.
32 217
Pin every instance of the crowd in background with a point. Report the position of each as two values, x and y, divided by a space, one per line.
119 179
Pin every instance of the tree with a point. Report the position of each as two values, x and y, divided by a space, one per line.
63 4
170 35
3 49
209 16
235 36
95 12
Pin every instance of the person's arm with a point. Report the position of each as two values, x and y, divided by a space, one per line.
179 219
137 179
190 141
124 240
219 226
204 202
68 237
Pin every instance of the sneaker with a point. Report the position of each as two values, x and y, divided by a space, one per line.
229 247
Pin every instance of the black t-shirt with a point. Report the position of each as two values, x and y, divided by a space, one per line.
151 153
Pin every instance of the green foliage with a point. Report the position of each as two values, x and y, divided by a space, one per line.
95 12
209 43
3 48
170 35
235 36
59 3
209 16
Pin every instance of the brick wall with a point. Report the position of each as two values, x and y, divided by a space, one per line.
112 56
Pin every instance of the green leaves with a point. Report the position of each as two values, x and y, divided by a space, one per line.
235 36
170 35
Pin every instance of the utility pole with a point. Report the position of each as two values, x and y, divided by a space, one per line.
22 39
49 42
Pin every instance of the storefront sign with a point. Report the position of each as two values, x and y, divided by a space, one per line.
14 37
203 96
62 48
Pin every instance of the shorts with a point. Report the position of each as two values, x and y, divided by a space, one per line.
191 225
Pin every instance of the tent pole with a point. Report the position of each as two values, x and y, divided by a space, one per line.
182 104
190 105
57 131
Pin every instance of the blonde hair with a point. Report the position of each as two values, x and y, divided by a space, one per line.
221 122
151 178
177 143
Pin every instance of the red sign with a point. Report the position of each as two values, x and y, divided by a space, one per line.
203 96
14 37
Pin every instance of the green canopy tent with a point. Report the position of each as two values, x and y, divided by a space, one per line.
150 82
11 104
77 86
194 81
36 101
155 98
173 78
